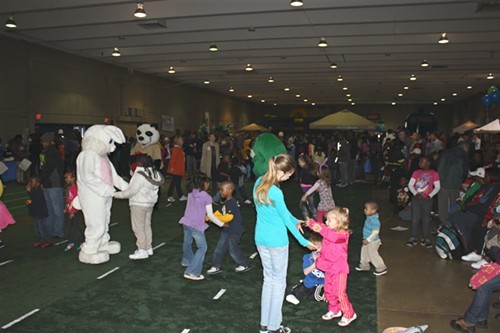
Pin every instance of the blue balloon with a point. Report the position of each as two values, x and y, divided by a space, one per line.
487 101
495 97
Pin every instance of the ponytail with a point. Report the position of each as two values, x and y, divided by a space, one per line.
281 162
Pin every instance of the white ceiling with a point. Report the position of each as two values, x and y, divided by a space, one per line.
377 44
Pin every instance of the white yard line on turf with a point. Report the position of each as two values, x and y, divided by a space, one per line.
219 294
15 321
6 262
158 246
16 207
61 242
107 273
113 224
186 330
253 255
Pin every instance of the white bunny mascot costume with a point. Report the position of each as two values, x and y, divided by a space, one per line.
96 180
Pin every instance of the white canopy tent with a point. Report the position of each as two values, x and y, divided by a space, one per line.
493 127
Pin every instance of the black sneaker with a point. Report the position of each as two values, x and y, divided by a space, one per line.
422 242
380 273
282 329
411 242
428 244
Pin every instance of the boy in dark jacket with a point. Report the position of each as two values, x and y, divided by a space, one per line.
38 209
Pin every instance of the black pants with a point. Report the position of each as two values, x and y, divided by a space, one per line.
73 228
176 182
302 292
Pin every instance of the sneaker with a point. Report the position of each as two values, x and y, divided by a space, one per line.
241 269
482 324
479 264
69 247
292 299
263 329
359 269
427 243
150 252
342 185
471 257
248 202
380 273
215 270
461 326
330 315
170 199
183 198
411 242
194 277
45 245
139 254
346 321
282 329
37 244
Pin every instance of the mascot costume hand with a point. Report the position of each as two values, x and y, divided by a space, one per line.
96 180
265 146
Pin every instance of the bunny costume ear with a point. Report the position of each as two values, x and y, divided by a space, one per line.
115 133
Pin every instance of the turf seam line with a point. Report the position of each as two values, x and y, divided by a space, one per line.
15 321
219 294
61 242
158 246
6 262
107 273
253 255
113 224
186 330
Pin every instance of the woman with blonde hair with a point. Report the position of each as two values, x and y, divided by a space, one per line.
271 238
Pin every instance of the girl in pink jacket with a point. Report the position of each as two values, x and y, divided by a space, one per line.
333 261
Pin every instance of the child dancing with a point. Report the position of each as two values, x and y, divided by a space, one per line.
333 261
323 187
5 216
308 177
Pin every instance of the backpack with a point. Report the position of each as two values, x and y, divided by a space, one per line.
448 245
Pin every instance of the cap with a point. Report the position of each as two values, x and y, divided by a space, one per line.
479 172
47 136
416 151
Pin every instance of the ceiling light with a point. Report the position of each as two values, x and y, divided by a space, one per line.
340 78
206 82
213 48
345 88
413 77
322 42
298 95
262 100
270 80
406 87
454 94
443 99
490 76
313 103
443 39
249 68
349 100
424 64
171 70
353 103
348 95
286 89
116 52
469 87
139 11
275 104
393 103
333 65
231 89
11 23
249 96
435 103
297 3
305 100
400 94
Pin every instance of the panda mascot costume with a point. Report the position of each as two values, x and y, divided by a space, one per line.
96 180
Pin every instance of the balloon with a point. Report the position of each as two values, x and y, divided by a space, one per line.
486 101
495 97
492 89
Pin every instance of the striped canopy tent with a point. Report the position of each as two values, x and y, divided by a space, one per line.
343 120
493 127
253 127
467 126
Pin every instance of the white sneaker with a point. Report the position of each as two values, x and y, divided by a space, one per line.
292 299
139 254
471 257
194 277
330 315
183 198
214 270
248 202
170 199
479 264
241 269
346 321
150 252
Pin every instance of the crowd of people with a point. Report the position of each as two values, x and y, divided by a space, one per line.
452 177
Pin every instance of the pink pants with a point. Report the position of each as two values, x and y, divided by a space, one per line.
321 215
335 292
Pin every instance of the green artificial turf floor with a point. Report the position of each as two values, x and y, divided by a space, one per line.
151 295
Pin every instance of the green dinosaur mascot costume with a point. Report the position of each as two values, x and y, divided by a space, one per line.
265 146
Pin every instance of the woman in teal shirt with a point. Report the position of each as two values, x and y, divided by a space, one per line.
271 238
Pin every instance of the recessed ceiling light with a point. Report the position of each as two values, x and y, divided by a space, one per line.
298 95
333 65
275 104
349 99
139 11
340 78
406 87
313 104
206 82
347 95
469 87
393 103
213 48
413 77
443 39
353 103
435 103
345 88
116 52
262 100
249 96
490 76
171 70
443 99
296 3
286 89
424 64
306 100
400 94
231 89
454 94
322 42
11 23
249 68
270 80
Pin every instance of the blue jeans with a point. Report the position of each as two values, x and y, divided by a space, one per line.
42 231
194 262
55 206
274 263
478 310
231 243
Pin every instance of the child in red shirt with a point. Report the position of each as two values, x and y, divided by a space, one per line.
72 215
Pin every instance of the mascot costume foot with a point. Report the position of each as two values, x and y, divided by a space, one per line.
96 180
